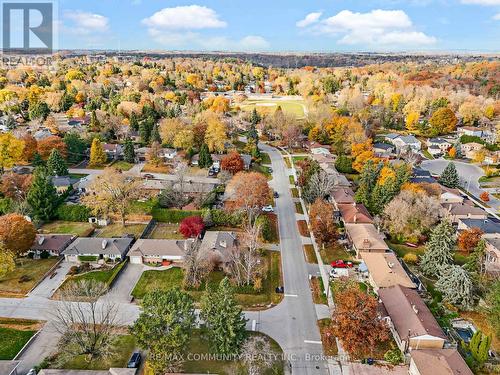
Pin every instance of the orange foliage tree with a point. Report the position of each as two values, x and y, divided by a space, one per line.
355 320
15 185
30 147
232 162
322 222
16 233
485 196
468 239
46 145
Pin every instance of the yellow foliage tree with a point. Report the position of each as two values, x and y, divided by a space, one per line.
184 139
11 150
97 155
215 136
361 160
412 121
169 128
385 174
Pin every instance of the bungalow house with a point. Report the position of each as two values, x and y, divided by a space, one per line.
9 367
217 246
158 251
113 151
438 146
154 187
94 248
492 257
422 176
440 361
492 158
410 320
470 131
491 229
167 154
54 244
383 150
365 238
406 143
470 149
342 195
449 195
457 211
385 271
61 183
354 213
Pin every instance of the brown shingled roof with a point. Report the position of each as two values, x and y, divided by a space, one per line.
440 361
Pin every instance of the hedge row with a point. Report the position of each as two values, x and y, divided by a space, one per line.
72 212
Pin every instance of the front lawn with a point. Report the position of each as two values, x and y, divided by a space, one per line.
329 343
299 158
122 350
298 208
303 229
401 250
150 168
310 254
118 230
15 333
25 276
122 165
199 348
264 158
247 296
318 295
166 231
334 252
80 229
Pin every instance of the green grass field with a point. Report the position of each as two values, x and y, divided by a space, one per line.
118 230
165 231
267 106
67 227
12 342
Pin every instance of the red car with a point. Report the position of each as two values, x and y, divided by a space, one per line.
341 264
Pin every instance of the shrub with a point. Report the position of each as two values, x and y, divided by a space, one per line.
223 218
75 212
192 226
485 197
344 164
410 258
44 254
172 215
266 228
393 356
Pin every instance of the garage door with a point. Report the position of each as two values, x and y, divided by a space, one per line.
136 260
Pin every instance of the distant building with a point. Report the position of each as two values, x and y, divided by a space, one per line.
470 131
383 150
470 149
113 151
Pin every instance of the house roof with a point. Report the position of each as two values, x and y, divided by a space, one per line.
218 243
408 312
392 136
385 270
51 242
150 247
61 181
471 128
343 195
247 160
355 213
409 139
462 209
438 141
383 146
95 245
494 242
440 361
486 225
366 237
419 173
111 146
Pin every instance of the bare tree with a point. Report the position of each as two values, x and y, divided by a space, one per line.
88 328
196 265
258 355
319 186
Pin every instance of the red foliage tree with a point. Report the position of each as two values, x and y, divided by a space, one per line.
322 222
192 226
232 162
485 196
46 145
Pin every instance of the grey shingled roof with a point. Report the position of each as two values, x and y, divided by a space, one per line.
94 245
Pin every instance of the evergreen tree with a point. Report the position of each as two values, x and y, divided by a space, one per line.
129 152
205 159
456 286
42 196
134 124
145 131
475 262
95 125
439 249
37 160
56 165
449 177
224 319
367 182
97 155
76 147
479 346
255 117
155 134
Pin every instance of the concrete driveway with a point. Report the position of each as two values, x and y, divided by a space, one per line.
125 283
50 284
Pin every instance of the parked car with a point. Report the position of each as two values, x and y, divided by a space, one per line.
268 209
276 194
341 264
135 360
148 176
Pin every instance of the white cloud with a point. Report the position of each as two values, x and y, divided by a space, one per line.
253 43
191 17
481 2
497 17
85 22
309 19
389 28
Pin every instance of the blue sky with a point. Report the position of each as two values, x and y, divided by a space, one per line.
281 25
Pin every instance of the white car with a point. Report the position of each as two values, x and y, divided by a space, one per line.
268 208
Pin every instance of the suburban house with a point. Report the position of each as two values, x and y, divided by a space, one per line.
438 146
9 367
54 244
491 229
492 157
158 251
215 158
342 195
61 183
354 213
492 258
410 320
457 211
385 271
422 176
383 150
320 151
114 151
247 161
94 248
365 238
406 143
470 149
437 361
470 131
217 245
450 196
152 188
166 154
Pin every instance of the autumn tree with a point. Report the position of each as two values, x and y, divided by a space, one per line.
111 193
153 155
468 239
97 155
15 186
322 222
215 136
16 233
7 262
319 186
46 145
232 162
442 121
355 320
192 226
184 139
30 147
485 196
169 128
11 151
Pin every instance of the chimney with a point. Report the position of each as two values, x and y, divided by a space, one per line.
41 239
414 308
104 243
366 242
223 244
390 264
